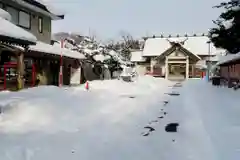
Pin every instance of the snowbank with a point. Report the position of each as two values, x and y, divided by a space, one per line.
107 122
61 123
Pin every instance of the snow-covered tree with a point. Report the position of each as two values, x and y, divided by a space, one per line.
226 34
98 54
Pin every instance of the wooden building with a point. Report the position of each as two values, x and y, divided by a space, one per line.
13 42
26 54
175 57
230 67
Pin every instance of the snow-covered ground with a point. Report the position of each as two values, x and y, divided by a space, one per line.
107 122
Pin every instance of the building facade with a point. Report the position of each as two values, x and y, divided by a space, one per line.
38 62
32 16
175 57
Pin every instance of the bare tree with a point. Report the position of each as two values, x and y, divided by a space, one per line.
128 44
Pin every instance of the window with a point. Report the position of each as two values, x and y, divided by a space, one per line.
24 19
14 14
20 18
40 24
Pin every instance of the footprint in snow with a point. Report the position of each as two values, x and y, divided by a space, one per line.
173 94
145 134
165 103
171 127
151 129
153 121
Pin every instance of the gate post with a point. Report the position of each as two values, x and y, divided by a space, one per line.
187 67
166 68
20 70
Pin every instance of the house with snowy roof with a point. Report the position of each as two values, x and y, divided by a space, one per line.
25 45
229 67
175 57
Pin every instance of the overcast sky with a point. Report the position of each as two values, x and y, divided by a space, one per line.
108 18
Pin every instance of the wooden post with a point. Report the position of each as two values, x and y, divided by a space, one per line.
166 68
187 68
193 71
20 70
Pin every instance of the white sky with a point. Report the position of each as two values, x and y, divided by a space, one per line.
108 18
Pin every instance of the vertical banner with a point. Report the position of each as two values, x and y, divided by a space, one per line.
61 65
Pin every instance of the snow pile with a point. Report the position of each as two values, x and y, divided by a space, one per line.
61 123
143 85
107 122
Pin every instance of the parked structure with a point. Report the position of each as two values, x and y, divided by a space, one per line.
175 57
38 60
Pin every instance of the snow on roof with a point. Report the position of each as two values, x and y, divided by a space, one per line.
228 58
200 46
50 7
51 12
55 50
155 46
5 15
136 56
118 57
9 29
99 57
197 45
216 58
201 64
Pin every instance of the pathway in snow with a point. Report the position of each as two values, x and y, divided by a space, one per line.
219 111
121 121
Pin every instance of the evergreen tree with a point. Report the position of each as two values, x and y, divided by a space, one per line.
227 36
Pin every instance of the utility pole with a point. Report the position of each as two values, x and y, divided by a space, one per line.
209 54
61 65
